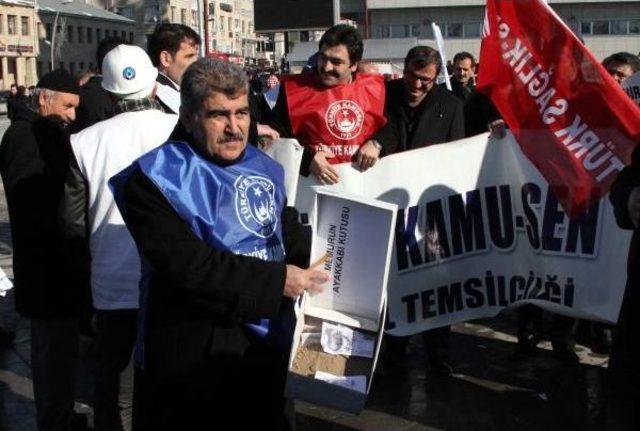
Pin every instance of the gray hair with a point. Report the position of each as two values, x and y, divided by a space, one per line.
35 97
207 76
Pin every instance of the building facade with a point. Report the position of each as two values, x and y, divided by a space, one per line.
230 30
69 33
605 26
19 47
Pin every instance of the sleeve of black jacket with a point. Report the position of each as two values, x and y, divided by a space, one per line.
457 130
226 285
280 121
627 180
73 219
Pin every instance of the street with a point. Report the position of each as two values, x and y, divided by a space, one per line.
487 391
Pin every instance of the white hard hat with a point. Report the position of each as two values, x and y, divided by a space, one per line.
127 69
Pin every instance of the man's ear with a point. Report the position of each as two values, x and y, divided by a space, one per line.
42 99
353 67
165 59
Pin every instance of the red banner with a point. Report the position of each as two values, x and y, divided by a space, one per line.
572 120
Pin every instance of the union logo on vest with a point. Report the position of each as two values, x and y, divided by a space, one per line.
256 205
344 119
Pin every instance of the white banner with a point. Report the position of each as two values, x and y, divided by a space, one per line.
477 231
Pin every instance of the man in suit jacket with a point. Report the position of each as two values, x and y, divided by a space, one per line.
421 113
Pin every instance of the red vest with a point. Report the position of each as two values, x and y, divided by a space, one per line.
336 120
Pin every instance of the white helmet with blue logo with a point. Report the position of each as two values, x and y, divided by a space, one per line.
127 69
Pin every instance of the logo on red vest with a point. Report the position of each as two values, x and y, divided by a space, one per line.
344 119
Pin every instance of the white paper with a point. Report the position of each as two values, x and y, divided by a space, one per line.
355 383
5 283
338 339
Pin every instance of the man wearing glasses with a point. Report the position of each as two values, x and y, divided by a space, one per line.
421 113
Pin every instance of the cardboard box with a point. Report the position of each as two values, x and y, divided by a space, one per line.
354 235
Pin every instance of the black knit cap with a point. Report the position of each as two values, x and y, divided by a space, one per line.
59 80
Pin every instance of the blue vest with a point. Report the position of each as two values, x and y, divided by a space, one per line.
234 208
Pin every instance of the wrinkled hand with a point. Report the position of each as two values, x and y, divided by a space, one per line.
266 136
633 206
498 128
368 155
264 130
299 280
322 169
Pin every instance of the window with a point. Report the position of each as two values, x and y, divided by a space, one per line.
1 24
415 30
472 29
229 24
72 68
619 27
243 26
183 16
61 65
194 18
11 24
98 38
304 36
173 14
70 33
123 35
130 37
222 24
382 31
126 12
212 8
80 34
24 25
585 27
90 65
81 65
106 34
89 35
634 26
399 30
151 14
601 27
237 24
454 30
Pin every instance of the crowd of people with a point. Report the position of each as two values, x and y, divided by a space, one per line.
122 195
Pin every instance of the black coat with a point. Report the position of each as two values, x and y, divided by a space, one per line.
34 158
439 118
200 363
625 354
95 105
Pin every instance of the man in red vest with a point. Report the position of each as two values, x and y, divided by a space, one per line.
333 111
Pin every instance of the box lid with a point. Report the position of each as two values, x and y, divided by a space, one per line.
355 234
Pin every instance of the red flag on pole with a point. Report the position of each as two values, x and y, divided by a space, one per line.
572 120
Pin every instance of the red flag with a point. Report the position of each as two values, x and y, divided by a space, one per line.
572 120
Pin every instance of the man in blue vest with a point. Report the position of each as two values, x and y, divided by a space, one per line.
222 258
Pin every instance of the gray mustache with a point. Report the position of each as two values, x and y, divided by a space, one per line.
230 138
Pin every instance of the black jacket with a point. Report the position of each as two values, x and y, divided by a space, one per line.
439 118
461 91
95 105
196 286
196 347
34 158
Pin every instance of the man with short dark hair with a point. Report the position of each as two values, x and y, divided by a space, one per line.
621 65
420 114
462 84
333 111
221 254
172 48
95 103
34 158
